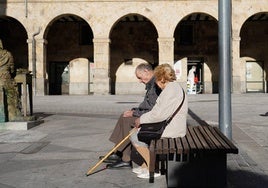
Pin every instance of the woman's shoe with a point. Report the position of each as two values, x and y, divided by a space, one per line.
139 170
146 175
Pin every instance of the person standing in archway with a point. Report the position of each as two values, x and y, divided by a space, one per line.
191 79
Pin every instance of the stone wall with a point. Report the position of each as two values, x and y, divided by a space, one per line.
114 38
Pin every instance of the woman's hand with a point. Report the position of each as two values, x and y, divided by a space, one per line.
137 123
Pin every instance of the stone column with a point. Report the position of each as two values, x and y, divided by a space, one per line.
40 77
183 80
166 50
101 82
238 81
207 79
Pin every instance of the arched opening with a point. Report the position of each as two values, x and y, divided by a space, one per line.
133 36
196 40
14 39
253 49
69 38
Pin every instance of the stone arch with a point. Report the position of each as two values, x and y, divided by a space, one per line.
68 37
254 46
253 33
246 16
126 81
132 36
103 29
196 39
14 38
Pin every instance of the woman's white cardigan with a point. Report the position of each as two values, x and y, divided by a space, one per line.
166 104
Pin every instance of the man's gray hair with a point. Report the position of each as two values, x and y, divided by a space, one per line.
143 66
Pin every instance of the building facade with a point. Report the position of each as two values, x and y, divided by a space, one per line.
87 46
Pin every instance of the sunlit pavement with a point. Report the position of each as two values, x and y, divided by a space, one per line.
59 152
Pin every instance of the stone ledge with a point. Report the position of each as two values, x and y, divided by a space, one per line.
22 125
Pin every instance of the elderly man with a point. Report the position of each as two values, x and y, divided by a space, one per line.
144 72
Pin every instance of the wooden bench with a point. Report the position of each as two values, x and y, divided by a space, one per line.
198 159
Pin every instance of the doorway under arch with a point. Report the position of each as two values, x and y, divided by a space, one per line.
196 38
69 37
132 36
253 52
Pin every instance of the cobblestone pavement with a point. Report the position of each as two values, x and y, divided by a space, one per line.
58 152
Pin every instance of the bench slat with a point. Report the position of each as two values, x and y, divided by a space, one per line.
158 146
185 145
179 145
201 138
233 148
191 141
207 138
165 145
213 137
193 135
217 139
229 147
172 148
152 146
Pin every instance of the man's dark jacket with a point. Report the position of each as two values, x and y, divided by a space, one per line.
152 92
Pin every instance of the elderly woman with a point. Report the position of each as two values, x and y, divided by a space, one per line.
167 103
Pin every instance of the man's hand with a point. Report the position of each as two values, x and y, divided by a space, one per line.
137 123
128 113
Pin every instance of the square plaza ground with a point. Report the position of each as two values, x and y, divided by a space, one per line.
58 152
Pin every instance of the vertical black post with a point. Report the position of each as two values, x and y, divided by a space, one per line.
225 62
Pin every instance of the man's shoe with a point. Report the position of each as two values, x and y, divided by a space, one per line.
111 159
119 165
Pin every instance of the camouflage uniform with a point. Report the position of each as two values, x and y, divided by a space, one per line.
8 83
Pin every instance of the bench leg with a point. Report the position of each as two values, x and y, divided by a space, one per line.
207 170
152 166
163 164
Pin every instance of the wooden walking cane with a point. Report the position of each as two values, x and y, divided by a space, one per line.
106 156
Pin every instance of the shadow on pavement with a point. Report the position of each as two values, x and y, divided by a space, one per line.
266 114
245 179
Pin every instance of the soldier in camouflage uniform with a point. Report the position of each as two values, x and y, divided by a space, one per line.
7 82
